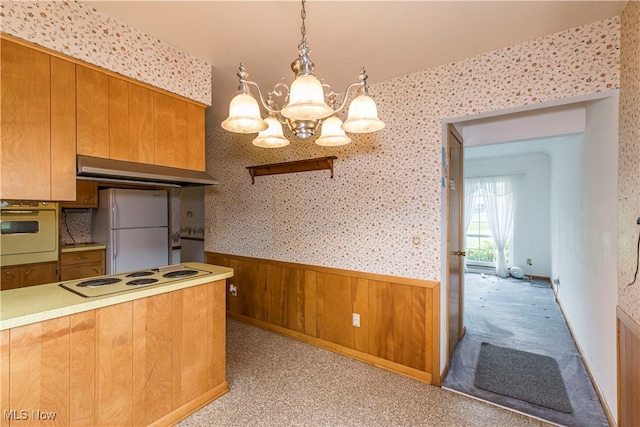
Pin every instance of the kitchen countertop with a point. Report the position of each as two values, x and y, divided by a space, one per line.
82 247
33 304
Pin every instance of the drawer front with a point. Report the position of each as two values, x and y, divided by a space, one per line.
81 271
10 278
81 257
39 274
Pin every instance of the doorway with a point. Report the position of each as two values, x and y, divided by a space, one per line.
600 112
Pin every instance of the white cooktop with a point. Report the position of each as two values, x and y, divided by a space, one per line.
130 281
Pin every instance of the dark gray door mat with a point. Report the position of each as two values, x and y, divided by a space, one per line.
531 377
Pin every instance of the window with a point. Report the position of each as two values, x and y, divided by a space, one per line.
481 248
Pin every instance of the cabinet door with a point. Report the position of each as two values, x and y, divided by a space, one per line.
38 274
82 367
170 116
92 101
10 278
26 123
63 129
141 124
4 374
118 119
195 137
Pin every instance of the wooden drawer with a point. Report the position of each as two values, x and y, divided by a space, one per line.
10 278
81 257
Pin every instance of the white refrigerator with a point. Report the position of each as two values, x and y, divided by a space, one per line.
133 224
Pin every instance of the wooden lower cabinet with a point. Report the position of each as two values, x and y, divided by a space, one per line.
149 361
20 276
81 264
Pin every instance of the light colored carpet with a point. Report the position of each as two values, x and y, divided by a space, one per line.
277 381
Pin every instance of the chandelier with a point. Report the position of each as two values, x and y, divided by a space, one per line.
307 106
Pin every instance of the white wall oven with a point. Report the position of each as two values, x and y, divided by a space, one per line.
29 232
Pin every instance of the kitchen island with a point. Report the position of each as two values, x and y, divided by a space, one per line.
151 355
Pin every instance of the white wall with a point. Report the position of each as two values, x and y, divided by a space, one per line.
583 242
532 227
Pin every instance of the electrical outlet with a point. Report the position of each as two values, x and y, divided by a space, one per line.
556 281
356 320
233 290
529 261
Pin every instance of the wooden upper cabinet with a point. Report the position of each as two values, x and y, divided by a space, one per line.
195 137
35 135
92 100
170 116
141 124
118 119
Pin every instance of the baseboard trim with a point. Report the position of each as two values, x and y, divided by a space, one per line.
336 348
189 408
596 386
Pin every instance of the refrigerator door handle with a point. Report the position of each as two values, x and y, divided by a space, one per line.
114 211
114 252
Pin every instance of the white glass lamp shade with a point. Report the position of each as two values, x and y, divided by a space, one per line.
244 115
332 134
272 137
363 116
306 100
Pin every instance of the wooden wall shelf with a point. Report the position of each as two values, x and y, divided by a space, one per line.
320 163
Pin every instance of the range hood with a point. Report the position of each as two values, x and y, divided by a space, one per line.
109 170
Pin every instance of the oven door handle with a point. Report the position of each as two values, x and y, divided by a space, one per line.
12 212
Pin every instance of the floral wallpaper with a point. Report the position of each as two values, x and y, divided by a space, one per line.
629 160
84 33
381 211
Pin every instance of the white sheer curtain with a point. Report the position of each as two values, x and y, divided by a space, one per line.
499 194
471 189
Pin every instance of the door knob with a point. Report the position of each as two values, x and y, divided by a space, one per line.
459 253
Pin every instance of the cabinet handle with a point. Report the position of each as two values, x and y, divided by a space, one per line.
28 273
10 274
96 270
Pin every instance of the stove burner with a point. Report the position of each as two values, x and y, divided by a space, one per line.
94 283
140 274
179 273
140 282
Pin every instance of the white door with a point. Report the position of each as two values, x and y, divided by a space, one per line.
139 208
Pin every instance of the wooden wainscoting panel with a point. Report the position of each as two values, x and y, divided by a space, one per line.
152 358
381 319
114 393
628 370
333 309
360 304
419 356
275 296
82 368
249 277
293 281
310 303
39 370
399 317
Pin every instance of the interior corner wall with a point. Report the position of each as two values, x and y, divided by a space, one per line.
584 239
531 223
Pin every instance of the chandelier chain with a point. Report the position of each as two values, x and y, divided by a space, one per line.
303 15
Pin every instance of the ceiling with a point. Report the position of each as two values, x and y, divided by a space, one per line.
390 38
